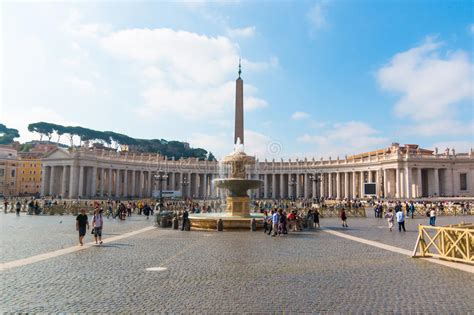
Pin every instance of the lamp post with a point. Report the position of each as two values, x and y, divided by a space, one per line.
160 176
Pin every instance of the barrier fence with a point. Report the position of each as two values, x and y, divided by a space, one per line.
453 242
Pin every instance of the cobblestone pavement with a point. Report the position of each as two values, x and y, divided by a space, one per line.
28 235
216 272
376 229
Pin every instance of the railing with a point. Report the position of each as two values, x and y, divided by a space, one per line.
453 242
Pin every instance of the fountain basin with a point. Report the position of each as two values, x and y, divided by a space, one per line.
209 221
237 186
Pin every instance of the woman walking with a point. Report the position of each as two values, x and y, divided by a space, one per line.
344 218
390 217
97 225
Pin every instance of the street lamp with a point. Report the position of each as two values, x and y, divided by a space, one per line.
160 177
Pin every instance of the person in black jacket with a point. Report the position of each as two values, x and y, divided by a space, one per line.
185 219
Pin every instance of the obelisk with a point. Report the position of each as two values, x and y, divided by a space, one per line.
239 108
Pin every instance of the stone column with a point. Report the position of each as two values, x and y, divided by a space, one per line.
110 179
436 182
346 184
117 183
173 181
150 186
125 183
44 170
338 185
188 188
52 181
94 182
204 187
330 185
408 182
419 190
322 185
265 186
354 182
141 184
361 179
370 179
397 183
80 190
298 185
102 178
72 182
314 186
274 186
282 187
63 181
377 183
306 185
133 193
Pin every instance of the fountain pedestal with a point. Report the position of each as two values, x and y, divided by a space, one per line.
238 206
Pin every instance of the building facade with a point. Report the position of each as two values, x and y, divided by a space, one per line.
8 171
397 171
29 174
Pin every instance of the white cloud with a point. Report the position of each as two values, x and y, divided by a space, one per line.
299 115
245 32
431 86
471 28
317 15
80 84
344 138
184 73
76 27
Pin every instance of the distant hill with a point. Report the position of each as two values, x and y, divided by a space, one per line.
176 149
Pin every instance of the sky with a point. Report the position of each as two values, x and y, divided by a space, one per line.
321 78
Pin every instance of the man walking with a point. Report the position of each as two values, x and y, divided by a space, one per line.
81 224
401 221
18 208
185 220
433 216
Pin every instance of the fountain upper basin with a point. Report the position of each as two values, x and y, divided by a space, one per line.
237 186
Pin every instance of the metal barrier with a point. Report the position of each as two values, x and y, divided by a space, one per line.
452 242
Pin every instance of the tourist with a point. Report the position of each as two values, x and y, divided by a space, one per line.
81 224
412 209
185 220
97 225
265 221
316 218
270 222
18 208
433 216
401 221
5 205
283 225
389 217
275 222
344 218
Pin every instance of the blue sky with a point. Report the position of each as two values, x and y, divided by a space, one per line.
322 78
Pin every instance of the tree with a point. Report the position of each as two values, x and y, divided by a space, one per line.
7 135
211 157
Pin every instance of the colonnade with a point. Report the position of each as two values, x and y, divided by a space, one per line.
408 182
71 181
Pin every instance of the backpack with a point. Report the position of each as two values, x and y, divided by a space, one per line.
427 213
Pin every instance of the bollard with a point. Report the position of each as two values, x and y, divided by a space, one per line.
253 225
163 222
220 225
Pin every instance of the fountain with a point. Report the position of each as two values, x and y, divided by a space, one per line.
237 215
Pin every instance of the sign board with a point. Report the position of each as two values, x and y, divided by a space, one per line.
167 193
370 189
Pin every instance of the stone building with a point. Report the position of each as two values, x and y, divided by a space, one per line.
8 171
398 172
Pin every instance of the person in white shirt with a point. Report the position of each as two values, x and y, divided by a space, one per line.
97 225
432 216
400 220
